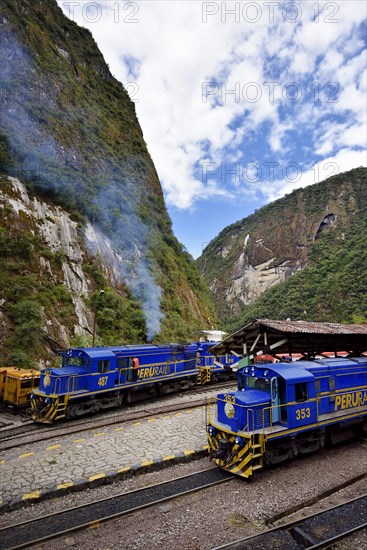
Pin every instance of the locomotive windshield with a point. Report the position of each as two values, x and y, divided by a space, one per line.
252 382
73 361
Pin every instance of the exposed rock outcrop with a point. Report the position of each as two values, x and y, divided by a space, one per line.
264 249
53 226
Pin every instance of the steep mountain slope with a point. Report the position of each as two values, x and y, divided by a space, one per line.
69 133
321 228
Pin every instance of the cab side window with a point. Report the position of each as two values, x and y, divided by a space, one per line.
124 362
301 391
103 366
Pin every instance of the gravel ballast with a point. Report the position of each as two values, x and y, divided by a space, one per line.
219 514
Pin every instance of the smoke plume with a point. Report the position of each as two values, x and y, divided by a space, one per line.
83 178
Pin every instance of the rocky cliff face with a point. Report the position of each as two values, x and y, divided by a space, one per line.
263 250
52 226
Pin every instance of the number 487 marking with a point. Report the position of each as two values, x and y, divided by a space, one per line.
103 381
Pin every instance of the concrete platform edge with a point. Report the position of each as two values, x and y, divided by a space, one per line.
103 478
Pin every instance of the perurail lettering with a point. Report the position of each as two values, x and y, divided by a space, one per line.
349 400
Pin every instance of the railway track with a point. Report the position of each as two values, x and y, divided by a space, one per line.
42 433
320 530
33 433
29 533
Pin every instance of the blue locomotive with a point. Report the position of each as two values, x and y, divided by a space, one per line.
91 379
282 409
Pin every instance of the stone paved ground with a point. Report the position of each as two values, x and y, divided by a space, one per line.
57 465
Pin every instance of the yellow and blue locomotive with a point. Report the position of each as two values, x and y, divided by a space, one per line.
282 409
91 379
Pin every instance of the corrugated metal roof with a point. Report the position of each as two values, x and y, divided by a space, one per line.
312 328
287 337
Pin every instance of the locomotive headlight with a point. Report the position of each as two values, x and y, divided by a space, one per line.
229 410
239 441
32 396
212 431
47 400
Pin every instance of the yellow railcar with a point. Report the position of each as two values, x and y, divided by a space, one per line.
16 384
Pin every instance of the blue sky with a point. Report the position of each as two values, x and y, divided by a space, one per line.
239 102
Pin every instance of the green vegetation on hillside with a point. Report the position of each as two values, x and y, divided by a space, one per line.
293 231
26 296
333 288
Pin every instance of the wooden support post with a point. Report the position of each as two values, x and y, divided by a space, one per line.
254 344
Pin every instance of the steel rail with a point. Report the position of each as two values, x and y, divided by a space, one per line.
54 524
9 439
17 431
42 433
287 527
330 542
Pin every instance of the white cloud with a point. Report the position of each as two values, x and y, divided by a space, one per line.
175 53
345 160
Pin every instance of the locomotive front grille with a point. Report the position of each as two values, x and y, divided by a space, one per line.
43 409
262 418
231 452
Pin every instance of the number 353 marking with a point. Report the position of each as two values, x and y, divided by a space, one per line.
303 413
230 399
103 381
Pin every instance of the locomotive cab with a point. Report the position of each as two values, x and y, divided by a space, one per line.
83 373
282 395
270 399
16 385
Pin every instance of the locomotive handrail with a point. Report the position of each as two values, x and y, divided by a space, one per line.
271 409
250 414
348 405
72 381
253 421
209 406
57 384
317 408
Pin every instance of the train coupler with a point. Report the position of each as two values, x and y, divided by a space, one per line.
222 452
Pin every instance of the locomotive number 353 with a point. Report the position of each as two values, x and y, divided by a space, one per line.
303 413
